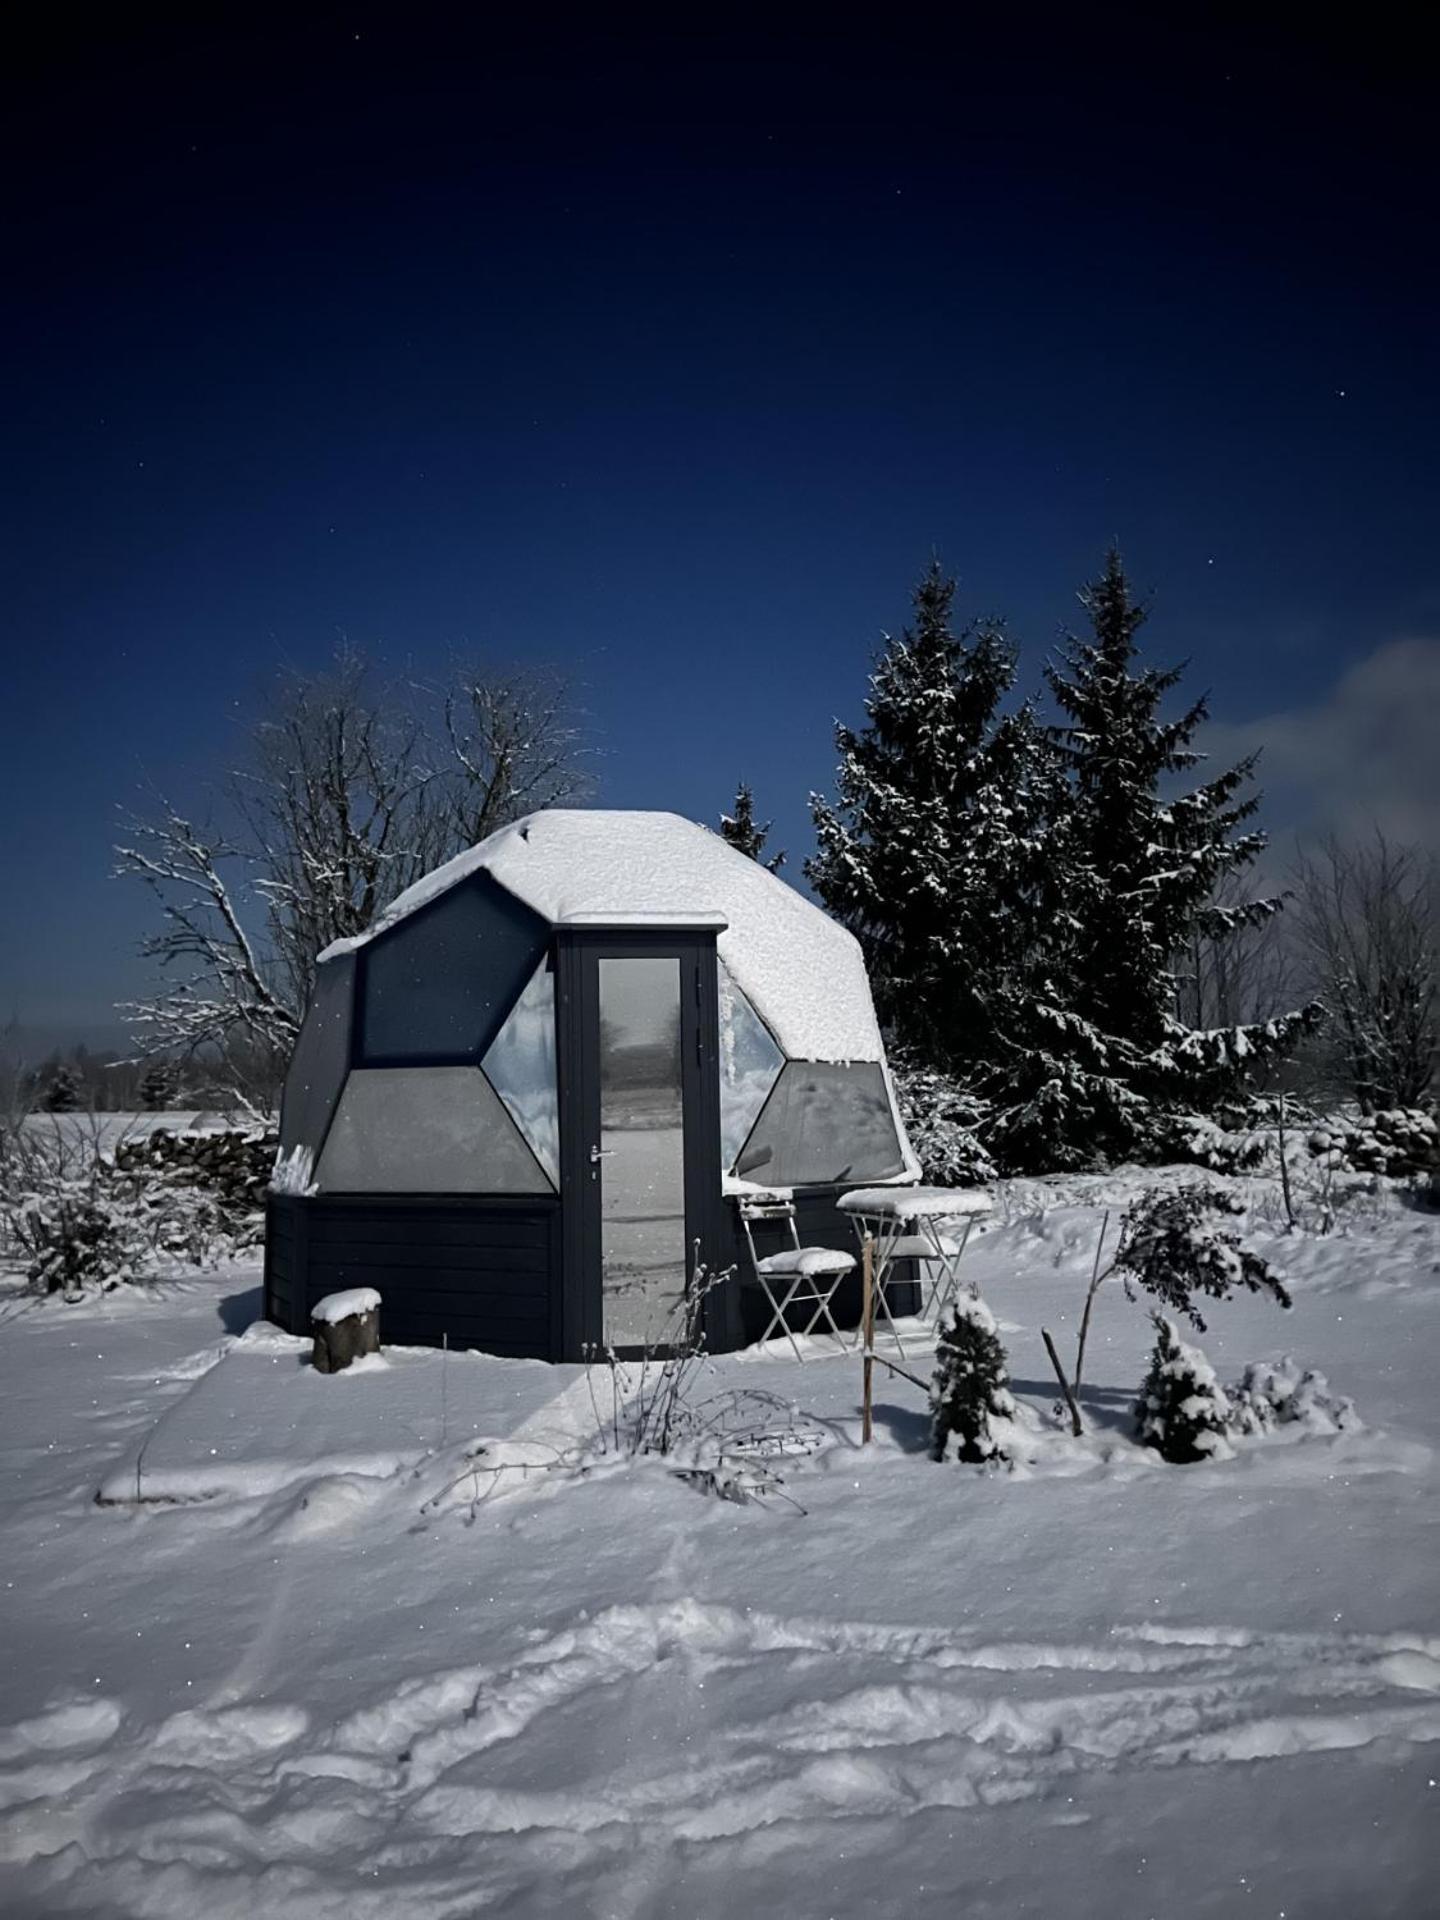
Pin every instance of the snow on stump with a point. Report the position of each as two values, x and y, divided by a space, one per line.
346 1327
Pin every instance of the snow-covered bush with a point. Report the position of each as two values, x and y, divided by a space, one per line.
65 1220
1276 1393
1190 1139
942 1119
1174 1246
1182 1411
1399 1143
76 1214
970 1385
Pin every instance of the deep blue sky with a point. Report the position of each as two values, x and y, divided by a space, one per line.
669 359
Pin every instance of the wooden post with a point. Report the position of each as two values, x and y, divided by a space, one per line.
1077 1426
867 1323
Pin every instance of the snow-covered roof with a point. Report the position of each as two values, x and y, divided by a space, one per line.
802 973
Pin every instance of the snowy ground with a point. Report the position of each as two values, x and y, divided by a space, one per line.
1102 1686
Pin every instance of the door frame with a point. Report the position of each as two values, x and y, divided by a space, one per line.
578 1064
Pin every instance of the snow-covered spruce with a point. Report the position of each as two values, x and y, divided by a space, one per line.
1183 1411
1174 1247
938 853
1277 1393
970 1385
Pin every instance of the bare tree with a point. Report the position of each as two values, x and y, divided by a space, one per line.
1366 914
1238 968
347 789
515 746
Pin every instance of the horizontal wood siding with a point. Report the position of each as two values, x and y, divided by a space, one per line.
282 1254
480 1273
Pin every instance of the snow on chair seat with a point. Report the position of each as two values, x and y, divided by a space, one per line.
915 1246
807 1261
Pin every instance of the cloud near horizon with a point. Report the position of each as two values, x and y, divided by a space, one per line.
1365 755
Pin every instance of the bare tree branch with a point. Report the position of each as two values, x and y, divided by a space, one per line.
348 790
1367 915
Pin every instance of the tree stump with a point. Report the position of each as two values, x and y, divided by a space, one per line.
346 1326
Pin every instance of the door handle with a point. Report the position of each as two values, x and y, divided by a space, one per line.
600 1153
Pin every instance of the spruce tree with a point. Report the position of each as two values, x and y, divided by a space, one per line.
1182 1410
158 1086
741 830
1106 1049
936 853
64 1091
969 1385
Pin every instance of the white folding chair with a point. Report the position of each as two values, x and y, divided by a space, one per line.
797 1276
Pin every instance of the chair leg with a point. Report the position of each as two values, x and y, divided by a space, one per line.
780 1320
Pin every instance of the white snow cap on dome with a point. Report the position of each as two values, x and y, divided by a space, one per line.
803 974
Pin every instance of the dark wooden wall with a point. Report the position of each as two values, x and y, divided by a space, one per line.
487 1272
482 1273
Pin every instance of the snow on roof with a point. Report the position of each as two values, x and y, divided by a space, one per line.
802 973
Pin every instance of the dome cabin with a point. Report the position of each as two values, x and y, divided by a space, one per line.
522 1101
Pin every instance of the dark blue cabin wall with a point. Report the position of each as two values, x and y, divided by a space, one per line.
473 1273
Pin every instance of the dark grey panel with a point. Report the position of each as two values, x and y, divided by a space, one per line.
320 1060
439 985
425 1130
823 1124
462 1272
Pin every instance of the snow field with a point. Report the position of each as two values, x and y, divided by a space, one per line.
1102 1682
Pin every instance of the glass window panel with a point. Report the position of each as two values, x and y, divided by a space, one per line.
425 1130
441 982
521 1067
750 1064
321 1058
824 1124
642 1144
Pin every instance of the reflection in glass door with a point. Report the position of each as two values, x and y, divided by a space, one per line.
640 1156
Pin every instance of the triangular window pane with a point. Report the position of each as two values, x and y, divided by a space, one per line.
520 1065
750 1064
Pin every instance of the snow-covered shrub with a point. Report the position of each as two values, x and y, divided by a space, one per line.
65 1219
1276 1393
75 1236
1174 1246
1182 1411
942 1119
1399 1143
970 1384
76 1214
1190 1139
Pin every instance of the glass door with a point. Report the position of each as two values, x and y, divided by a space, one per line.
637 1156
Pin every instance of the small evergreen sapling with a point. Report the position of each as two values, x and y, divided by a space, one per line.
158 1087
1174 1247
1182 1411
63 1095
744 832
970 1385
